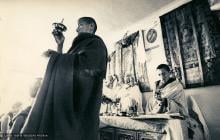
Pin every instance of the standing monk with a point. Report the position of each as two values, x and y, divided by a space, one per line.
67 106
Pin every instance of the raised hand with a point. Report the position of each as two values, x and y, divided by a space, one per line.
157 94
48 53
59 37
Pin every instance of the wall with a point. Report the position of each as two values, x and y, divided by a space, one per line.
206 97
155 54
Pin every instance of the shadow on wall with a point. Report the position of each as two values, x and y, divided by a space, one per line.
207 99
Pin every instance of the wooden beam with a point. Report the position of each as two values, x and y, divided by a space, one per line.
179 52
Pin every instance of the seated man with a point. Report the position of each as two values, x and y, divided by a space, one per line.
168 94
169 97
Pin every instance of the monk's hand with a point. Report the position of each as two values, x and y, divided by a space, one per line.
163 102
157 95
160 106
48 53
59 37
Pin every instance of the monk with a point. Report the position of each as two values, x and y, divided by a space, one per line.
67 106
168 95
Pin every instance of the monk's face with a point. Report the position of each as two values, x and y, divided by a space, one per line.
84 27
163 75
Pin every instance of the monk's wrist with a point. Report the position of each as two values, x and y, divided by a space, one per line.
60 48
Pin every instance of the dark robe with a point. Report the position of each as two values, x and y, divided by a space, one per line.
67 106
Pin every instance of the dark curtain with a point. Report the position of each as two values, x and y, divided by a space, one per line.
191 39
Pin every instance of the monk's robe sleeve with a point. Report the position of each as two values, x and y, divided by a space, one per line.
94 58
176 104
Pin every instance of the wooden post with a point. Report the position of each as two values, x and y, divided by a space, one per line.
197 47
169 46
133 61
179 52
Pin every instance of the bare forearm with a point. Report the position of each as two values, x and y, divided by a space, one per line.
60 48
